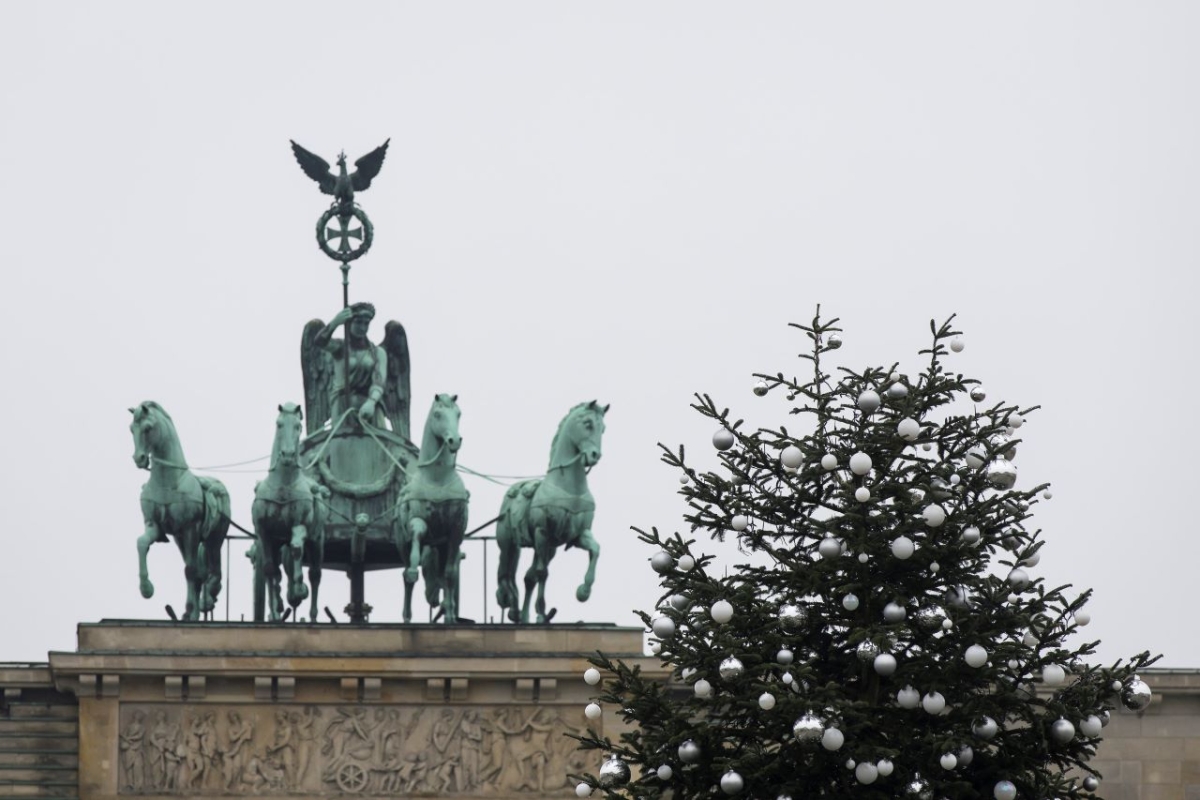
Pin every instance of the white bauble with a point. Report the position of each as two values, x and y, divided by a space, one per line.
975 656
721 611
908 697
949 761
785 656
971 534
591 676
592 711
897 390
934 515
829 547
1005 791
792 457
866 772
702 688
665 772
662 562
1018 578
869 400
739 522
850 602
862 494
828 462
985 728
731 782
885 664
1062 731
884 766
1053 675
663 627
894 612
583 790
1015 420
860 463
766 701
832 739
1082 618
903 547
680 601
957 344
1090 726
976 457
908 429
723 439
933 702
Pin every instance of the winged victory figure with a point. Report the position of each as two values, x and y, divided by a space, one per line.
342 185
377 386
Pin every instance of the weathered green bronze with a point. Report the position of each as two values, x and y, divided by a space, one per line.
431 518
289 520
191 508
553 511
342 186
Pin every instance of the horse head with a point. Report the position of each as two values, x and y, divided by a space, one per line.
441 426
578 437
288 425
152 431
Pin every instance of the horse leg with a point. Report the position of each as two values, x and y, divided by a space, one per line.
589 543
270 570
212 580
412 571
542 575
530 580
143 545
191 572
431 568
450 604
316 553
293 559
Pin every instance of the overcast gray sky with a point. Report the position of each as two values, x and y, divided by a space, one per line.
619 201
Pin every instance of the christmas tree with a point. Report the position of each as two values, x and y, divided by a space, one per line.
885 636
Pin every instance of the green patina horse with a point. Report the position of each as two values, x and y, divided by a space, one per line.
431 518
192 509
289 521
553 511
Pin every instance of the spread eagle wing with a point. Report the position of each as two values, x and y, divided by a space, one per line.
368 167
318 169
397 391
317 365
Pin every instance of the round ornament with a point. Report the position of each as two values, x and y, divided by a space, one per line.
829 547
614 772
1082 618
1032 560
792 617
894 612
731 782
829 462
683 479
868 401
1062 731
971 535
903 547
957 344
721 611
1002 473
976 457
702 688
766 701
591 676
1018 578
897 390
860 463
1136 695
933 703
885 767
850 602
739 522
689 752
792 457
784 657
1015 420
934 515
862 494
1105 716
808 729
686 563
679 602
1090 726
833 342
1004 790
975 656
978 395
786 678
949 761
965 756
959 596
723 439
592 711
760 388
1053 675
833 739
662 561
930 617
885 664
663 627
985 728
731 668
908 429
908 697
863 558
583 790
665 772
1090 783
867 650
866 772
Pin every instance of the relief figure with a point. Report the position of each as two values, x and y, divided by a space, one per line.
133 759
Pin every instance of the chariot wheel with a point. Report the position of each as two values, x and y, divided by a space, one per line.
352 778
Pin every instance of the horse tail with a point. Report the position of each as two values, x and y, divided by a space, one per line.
512 532
216 512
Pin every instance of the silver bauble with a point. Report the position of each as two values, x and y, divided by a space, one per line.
958 597
1001 473
829 547
760 388
793 617
1136 695
662 561
965 756
929 618
978 395
731 668
939 489
867 650
723 439
833 342
1062 731
918 788
808 729
1004 790
985 728
614 772
866 772
732 783
665 772
689 752
1004 446
679 601
1090 783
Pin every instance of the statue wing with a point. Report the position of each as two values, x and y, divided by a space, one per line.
397 393
368 167
317 365
317 168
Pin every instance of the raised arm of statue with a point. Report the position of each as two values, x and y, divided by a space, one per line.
325 335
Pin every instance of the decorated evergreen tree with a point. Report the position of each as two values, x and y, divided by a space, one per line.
885 636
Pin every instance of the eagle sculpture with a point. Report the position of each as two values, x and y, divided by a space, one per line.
343 185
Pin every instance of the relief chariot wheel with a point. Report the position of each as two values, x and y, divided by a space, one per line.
352 778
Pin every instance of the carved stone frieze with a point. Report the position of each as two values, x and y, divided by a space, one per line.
247 749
